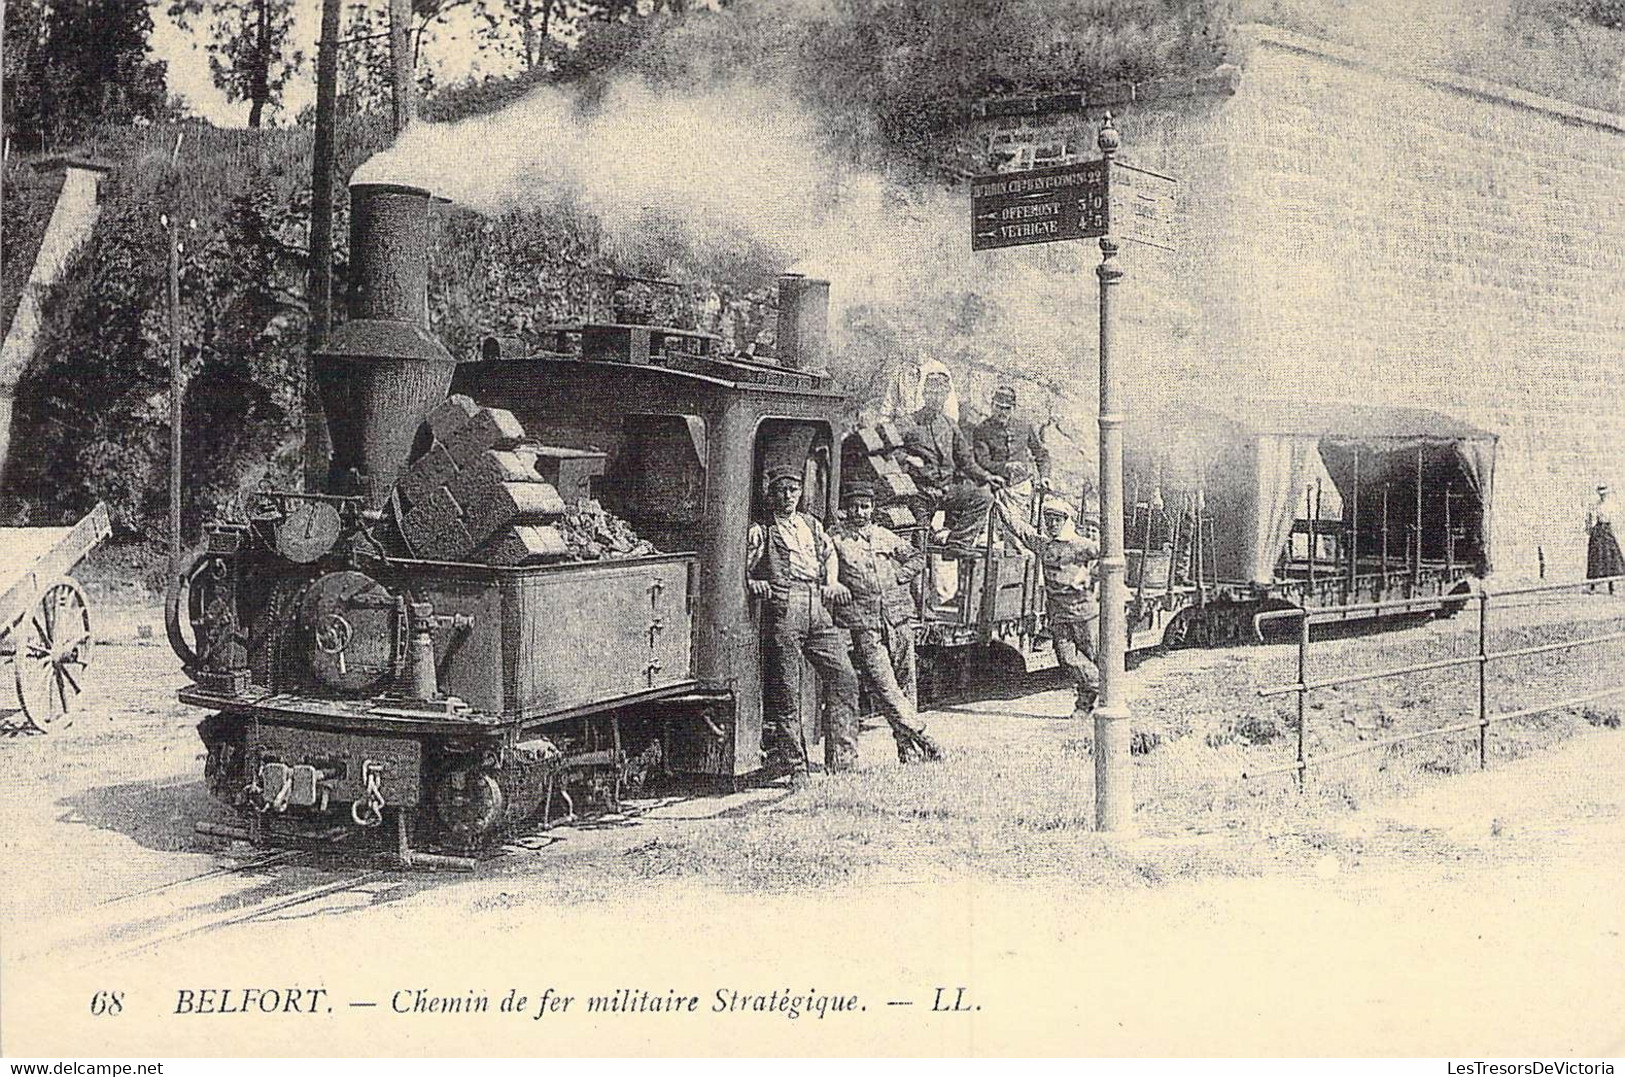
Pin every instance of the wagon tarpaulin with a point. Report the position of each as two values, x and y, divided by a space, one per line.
1255 462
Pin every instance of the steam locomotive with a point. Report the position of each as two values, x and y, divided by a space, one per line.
352 682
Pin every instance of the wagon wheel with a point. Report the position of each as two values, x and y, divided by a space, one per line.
53 651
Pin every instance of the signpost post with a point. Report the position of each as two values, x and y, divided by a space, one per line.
1114 775
1113 202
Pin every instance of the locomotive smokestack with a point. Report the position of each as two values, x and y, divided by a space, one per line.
389 253
802 340
383 369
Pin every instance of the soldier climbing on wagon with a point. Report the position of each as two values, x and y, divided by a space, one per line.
1011 448
877 567
792 569
1069 559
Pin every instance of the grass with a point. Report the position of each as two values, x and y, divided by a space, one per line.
1015 798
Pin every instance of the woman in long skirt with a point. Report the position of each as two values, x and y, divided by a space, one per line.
1603 557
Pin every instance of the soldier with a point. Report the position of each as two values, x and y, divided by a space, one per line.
791 567
877 567
1001 440
1069 561
940 460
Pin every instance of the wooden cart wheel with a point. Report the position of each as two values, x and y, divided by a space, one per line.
53 652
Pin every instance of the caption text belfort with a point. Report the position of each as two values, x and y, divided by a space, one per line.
551 1002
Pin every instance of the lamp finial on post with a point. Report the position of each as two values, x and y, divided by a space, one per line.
1107 138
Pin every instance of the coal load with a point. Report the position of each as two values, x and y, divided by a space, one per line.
591 534
873 455
476 495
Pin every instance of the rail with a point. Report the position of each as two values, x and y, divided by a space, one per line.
1329 614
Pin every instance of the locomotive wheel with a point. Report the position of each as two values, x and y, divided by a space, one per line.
53 652
1189 628
469 804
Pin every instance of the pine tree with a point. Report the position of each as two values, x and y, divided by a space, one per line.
250 55
72 64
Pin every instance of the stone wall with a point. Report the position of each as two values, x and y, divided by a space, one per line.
1358 233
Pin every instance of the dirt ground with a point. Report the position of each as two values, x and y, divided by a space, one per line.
1405 903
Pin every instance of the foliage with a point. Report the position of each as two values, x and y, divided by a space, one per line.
250 49
73 64
896 77
522 28
1606 13
93 409
364 64
30 199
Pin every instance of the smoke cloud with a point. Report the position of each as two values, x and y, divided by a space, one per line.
739 177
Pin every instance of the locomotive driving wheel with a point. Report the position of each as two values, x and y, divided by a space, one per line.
53 652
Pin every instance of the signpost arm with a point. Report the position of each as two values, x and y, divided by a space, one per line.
1114 794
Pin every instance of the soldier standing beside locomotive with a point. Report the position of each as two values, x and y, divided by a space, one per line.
1069 561
877 567
791 565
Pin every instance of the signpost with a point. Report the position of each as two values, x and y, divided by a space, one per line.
1039 206
1085 200
1112 202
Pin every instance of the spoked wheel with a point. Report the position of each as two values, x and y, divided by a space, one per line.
1187 629
53 652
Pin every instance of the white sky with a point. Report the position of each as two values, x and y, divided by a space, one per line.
453 53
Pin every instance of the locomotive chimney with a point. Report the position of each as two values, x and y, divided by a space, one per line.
383 369
803 333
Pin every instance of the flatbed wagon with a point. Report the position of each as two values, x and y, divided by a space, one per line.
1274 506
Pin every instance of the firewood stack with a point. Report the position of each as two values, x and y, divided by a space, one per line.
478 494
873 454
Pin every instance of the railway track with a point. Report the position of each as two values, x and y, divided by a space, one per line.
265 885
188 926
228 894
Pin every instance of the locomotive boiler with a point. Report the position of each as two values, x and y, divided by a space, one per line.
357 675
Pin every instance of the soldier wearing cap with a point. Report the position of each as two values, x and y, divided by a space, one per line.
941 463
877 567
1007 446
792 569
1069 561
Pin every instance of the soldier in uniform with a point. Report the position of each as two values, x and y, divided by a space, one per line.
1002 440
792 569
939 459
1069 561
877 567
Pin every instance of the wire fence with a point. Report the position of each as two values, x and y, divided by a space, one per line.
1510 598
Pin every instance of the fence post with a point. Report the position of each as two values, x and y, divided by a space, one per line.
1303 692
1483 689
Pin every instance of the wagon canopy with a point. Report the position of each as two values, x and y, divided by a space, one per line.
1252 466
